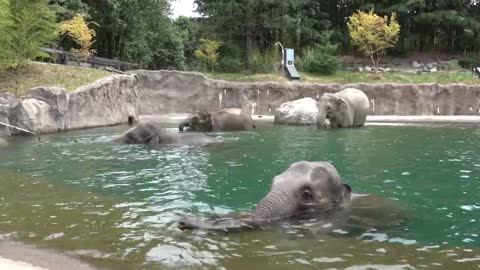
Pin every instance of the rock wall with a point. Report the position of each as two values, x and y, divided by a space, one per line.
182 92
108 101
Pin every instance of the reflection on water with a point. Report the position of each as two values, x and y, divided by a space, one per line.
116 206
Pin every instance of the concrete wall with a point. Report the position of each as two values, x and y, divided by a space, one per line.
182 92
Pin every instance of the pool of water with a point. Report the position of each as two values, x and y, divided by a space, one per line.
116 206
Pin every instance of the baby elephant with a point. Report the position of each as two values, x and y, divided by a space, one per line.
344 109
229 119
151 132
304 191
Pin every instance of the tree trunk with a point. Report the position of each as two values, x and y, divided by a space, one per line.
250 42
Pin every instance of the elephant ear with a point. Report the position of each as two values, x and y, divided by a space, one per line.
347 192
342 104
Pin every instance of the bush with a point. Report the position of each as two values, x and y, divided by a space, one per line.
262 63
230 64
319 60
470 61
208 55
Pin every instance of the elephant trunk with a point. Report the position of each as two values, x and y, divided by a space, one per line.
220 225
183 124
322 117
276 205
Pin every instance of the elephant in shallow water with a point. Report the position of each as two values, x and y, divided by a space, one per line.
304 191
344 109
151 132
229 119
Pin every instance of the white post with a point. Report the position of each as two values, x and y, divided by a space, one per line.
283 54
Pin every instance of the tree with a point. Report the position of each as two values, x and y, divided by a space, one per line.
137 31
77 29
373 34
208 53
67 9
189 30
256 25
28 25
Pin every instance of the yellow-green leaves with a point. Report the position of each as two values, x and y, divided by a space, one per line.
208 53
77 29
373 34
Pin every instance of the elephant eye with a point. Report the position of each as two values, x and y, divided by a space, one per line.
307 196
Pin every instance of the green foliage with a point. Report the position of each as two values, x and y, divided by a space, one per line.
137 31
373 34
257 25
231 59
189 31
262 63
4 38
318 60
470 61
67 9
229 64
208 55
27 25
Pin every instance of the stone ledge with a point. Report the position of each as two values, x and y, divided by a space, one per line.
371 119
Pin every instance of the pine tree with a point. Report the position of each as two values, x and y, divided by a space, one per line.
28 25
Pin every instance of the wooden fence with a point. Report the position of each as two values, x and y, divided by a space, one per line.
69 58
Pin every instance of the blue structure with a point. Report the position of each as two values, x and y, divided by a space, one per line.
289 65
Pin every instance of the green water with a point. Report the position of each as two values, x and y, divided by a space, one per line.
116 206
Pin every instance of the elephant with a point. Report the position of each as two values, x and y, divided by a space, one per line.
229 119
151 132
304 191
344 109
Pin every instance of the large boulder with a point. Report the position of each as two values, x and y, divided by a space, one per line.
56 97
34 115
301 112
4 108
109 101
10 97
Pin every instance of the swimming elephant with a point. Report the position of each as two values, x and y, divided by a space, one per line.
229 119
344 109
151 132
305 190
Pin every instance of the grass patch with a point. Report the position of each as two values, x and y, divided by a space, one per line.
43 74
345 77
239 77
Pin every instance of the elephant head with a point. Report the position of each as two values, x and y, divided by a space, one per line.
199 121
333 108
143 133
305 190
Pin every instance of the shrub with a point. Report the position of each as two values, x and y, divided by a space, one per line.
319 60
230 64
469 61
208 55
262 63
